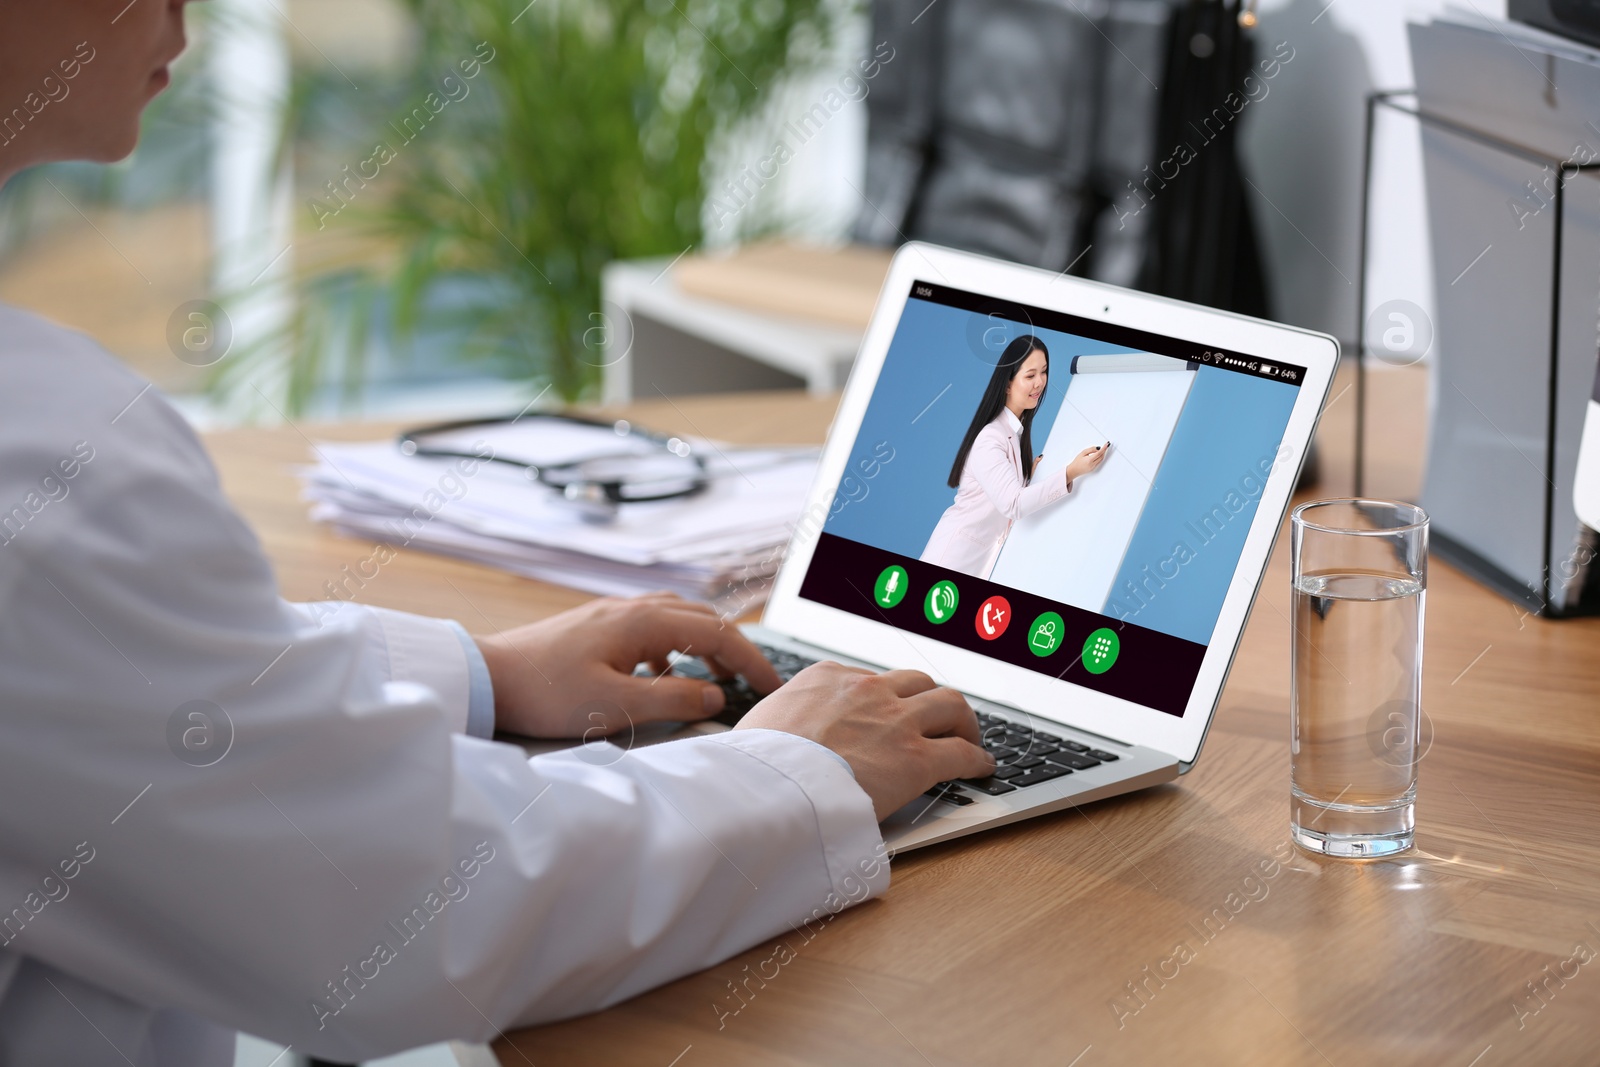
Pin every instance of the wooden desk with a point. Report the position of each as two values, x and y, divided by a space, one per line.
1015 946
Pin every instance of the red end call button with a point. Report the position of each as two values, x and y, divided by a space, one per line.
994 615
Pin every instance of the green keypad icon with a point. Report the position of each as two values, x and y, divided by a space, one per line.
891 587
1100 650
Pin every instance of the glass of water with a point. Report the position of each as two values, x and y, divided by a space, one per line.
1360 574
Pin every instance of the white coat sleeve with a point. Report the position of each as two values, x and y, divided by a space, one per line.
991 464
351 874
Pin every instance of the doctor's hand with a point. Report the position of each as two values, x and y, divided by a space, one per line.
899 731
1087 460
571 675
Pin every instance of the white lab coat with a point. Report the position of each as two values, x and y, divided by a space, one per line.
355 875
992 495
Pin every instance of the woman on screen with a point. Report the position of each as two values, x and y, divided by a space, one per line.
992 479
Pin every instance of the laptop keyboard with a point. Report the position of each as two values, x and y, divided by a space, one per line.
1023 756
740 697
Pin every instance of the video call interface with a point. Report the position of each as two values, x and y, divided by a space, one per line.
1116 584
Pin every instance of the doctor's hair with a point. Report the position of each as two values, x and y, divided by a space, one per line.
994 401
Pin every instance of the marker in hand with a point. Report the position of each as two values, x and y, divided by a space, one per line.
1087 460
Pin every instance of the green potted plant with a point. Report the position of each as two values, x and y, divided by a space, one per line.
535 143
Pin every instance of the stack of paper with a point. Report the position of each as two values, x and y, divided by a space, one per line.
721 545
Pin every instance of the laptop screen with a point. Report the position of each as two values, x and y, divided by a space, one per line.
1104 557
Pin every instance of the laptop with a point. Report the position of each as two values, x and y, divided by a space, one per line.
1092 633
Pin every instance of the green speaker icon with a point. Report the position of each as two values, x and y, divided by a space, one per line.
940 604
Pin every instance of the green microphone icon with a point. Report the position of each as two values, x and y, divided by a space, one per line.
891 586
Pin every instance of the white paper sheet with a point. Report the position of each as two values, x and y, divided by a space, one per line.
1071 550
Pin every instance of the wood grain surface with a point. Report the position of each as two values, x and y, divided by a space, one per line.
1172 926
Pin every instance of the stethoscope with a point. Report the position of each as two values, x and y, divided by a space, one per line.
668 468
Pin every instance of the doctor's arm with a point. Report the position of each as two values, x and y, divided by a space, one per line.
353 873
1087 461
990 463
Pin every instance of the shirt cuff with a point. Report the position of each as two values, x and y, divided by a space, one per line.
852 845
433 653
480 687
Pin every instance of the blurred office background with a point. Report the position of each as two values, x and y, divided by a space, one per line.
247 189
252 190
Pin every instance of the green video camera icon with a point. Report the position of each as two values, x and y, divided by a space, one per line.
1044 636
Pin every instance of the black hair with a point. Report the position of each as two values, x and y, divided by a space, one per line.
994 399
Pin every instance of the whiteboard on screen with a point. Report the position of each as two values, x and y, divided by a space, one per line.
1072 549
